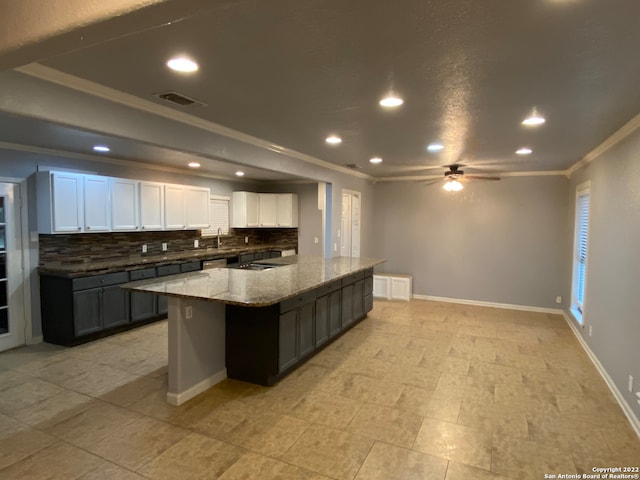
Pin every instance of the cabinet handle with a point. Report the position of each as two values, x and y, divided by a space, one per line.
79 228
87 227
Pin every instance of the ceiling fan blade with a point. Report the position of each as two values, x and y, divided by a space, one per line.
431 182
483 177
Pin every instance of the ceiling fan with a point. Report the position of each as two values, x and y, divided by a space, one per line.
454 174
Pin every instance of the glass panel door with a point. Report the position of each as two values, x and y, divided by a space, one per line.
4 307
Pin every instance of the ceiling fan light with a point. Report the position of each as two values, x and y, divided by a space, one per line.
391 101
453 186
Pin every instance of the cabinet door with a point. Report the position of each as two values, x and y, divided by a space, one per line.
284 207
174 207
87 311
267 209
96 204
67 202
288 340
143 306
151 206
244 210
197 207
306 329
335 313
115 308
322 320
124 205
358 300
347 305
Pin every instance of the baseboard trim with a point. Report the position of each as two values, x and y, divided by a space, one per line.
506 306
197 389
35 340
626 408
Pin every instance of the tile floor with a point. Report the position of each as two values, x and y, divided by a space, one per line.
419 390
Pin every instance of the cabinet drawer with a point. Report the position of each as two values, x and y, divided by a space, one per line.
327 289
352 277
168 270
296 302
190 267
107 279
142 273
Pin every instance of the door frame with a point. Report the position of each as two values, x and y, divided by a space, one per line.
352 194
22 218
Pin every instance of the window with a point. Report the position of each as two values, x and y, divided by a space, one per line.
580 250
218 215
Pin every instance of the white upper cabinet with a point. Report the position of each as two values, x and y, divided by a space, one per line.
124 205
174 207
268 209
287 210
59 197
151 206
197 207
244 210
97 206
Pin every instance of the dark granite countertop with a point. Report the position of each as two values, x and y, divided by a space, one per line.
295 275
87 268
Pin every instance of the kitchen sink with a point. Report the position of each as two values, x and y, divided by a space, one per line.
254 266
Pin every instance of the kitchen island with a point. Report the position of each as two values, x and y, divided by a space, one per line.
257 325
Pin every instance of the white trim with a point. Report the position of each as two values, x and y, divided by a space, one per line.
626 408
35 340
619 135
507 306
116 96
25 246
197 389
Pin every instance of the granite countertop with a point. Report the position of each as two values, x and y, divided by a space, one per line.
297 274
86 268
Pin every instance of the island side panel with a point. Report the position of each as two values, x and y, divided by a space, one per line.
196 347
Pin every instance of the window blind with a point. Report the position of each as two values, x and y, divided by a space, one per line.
218 216
582 231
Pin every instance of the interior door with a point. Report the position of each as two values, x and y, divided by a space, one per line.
350 226
11 291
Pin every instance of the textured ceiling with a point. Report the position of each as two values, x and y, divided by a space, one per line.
291 72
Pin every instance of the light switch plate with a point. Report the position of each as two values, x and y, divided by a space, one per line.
196 243
144 249
164 247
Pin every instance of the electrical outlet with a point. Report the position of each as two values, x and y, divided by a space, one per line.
630 383
335 247
590 330
638 395
144 249
164 247
315 239
188 311
246 239
558 299
196 243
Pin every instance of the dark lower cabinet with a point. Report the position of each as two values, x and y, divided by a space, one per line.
143 306
87 311
115 306
263 344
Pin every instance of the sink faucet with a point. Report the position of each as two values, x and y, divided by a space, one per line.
219 233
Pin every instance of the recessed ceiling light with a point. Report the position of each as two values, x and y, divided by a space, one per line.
101 148
534 119
194 164
333 140
391 101
375 160
240 173
182 64
524 151
435 147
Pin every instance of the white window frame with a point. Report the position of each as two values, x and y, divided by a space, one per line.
577 306
212 231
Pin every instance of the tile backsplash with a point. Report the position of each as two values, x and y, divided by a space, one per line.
83 247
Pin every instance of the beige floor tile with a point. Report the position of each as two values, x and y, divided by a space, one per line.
25 395
12 378
397 427
399 355
330 452
92 425
217 416
58 461
445 364
138 442
467 445
459 471
18 441
95 381
523 459
411 375
493 418
111 471
54 409
494 373
329 410
388 462
194 456
255 466
365 389
133 388
366 366
269 433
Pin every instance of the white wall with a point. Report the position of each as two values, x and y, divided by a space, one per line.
612 300
503 242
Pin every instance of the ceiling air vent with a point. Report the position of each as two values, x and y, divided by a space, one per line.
178 98
353 166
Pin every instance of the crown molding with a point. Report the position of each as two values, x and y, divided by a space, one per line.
417 178
622 133
116 96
